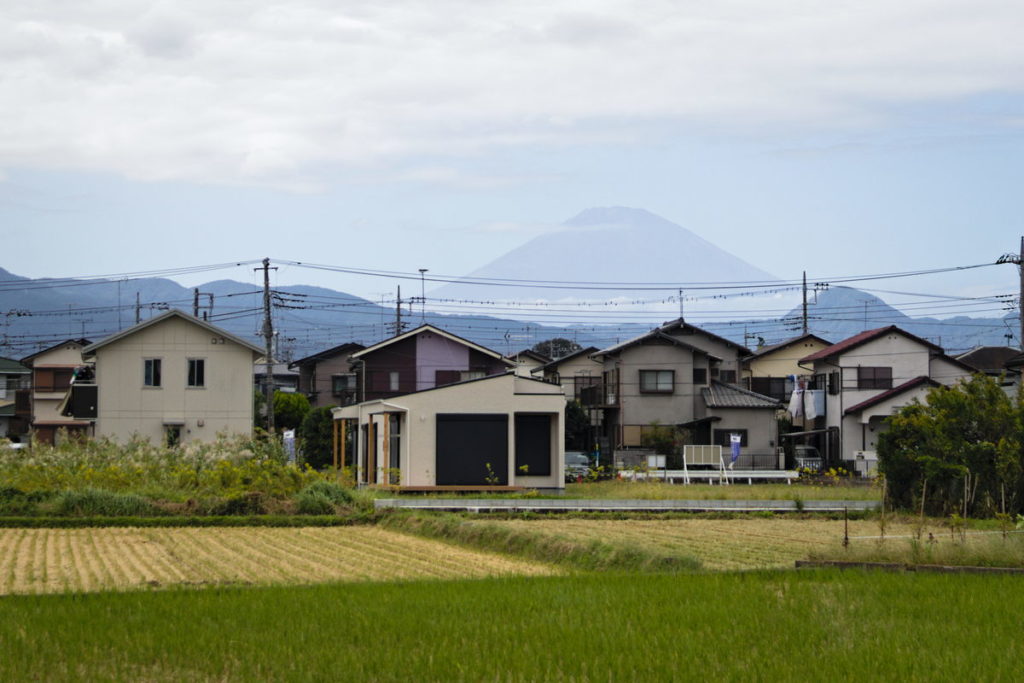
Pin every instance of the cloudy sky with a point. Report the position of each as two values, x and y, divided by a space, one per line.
837 137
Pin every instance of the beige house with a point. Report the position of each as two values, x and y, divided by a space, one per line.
682 376
528 361
499 430
173 379
574 372
869 376
40 404
770 370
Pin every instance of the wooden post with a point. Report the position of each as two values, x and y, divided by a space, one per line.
334 443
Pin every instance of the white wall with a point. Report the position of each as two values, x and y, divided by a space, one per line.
127 407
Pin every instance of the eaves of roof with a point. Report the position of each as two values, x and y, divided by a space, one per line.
173 313
895 391
347 347
764 350
863 338
437 330
654 335
572 356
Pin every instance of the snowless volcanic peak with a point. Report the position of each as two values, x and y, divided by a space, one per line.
607 245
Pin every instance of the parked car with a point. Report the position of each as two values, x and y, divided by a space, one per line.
577 465
807 456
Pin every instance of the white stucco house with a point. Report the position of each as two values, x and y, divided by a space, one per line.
868 377
172 379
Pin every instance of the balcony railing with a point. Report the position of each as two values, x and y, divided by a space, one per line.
599 395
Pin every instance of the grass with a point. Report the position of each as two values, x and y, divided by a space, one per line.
570 551
975 549
747 542
753 626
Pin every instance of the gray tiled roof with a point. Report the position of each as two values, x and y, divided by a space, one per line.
12 367
722 395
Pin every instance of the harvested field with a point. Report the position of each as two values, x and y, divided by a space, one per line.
727 544
64 560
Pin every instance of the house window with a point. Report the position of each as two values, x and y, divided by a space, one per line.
470 374
657 381
393 380
775 387
581 383
728 376
196 372
721 438
700 376
342 384
172 435
874 378
151 372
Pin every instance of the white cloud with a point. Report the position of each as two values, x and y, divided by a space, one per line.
267 94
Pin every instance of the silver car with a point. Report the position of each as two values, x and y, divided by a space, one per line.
577 465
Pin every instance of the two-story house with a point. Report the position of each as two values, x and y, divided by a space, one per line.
528 361
423 358
869 376
775 370
573 372
328 378
172 379
680 375
13 376
40 405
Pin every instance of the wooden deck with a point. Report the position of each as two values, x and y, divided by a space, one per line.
453 489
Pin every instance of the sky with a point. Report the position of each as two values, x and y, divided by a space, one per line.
832 137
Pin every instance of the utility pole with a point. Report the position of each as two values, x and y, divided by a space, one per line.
1018 258
195 302
268 339
681 318
423 297
138 309
398 312
805 302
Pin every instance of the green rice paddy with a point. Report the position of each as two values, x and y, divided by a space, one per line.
814 625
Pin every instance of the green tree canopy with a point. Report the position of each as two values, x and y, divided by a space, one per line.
289 409
317 437
959 451
557 347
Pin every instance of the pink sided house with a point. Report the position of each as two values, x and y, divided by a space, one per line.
420 359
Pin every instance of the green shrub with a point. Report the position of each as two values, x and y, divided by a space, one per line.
313 504
90 502
339 495
251 503
10 493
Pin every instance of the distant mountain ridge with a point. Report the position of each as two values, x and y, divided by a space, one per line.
607 244
611 244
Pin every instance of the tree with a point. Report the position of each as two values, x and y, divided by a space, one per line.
557 347
667 440
289 409
577 428
317 434
959 451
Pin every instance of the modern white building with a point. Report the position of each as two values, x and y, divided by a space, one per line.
499 430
